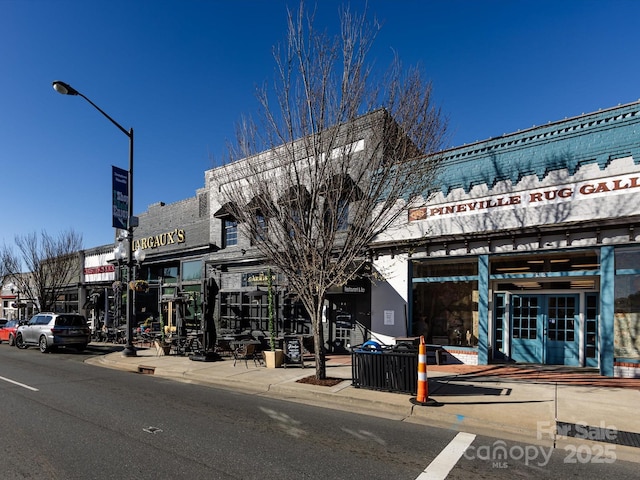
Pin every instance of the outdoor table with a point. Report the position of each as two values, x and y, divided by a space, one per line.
237 343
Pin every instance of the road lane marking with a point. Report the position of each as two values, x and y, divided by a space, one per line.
19 384
440 467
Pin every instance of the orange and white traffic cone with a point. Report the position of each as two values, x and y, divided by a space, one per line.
423 387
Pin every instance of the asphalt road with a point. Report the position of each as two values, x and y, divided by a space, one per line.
63 419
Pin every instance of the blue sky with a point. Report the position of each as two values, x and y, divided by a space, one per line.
181 73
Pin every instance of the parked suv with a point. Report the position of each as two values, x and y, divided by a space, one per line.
50 330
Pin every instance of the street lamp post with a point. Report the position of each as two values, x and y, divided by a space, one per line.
15 291
65 89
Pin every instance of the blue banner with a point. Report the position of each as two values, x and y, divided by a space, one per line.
120 187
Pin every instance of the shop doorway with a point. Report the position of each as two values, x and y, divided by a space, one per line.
341 316
551 328
545 329
346 319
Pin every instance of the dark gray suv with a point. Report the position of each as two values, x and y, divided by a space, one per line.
50 330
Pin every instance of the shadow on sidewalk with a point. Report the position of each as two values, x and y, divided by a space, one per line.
548 374
441 387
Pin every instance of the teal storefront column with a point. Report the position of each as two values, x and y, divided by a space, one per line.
607 296
483 309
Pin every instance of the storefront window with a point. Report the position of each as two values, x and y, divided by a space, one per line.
446 313
241 311
231 311
170 274
193 308
628 258
191 270
627 304
627 316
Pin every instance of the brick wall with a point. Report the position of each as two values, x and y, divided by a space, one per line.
176 226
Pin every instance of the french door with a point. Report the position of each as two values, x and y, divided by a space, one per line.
545 329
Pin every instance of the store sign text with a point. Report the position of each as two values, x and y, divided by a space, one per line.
561 193
169 238
353 289
99 269
258 279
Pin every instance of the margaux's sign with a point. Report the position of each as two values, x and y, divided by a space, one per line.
175 236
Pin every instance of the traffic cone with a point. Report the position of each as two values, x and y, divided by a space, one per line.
423 387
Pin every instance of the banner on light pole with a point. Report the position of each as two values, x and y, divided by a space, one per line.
120 187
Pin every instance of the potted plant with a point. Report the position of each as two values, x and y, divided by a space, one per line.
162 344
273 357
139 286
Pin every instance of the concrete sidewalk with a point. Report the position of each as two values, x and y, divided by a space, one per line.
508 402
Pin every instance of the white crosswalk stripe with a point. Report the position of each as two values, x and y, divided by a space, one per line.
440 467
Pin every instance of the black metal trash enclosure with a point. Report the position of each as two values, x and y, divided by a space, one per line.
392 369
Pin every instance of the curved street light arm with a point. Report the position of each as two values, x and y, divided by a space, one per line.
66 89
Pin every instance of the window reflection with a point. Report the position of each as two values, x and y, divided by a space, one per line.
627 316
446 313
553 262
191 270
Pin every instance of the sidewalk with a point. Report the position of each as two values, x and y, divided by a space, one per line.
520 403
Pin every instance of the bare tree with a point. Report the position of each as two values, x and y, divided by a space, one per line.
43 266
336 157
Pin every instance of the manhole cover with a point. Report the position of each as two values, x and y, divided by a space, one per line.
152 430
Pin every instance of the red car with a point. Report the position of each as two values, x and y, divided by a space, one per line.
8 332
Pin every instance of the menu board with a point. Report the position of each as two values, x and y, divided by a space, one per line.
293 351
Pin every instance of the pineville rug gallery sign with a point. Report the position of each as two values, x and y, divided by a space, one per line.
575 192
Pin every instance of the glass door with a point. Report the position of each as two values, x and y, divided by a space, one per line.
545 329
562 346
527 337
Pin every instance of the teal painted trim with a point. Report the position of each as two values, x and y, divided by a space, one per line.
483 310
607 296
627 271
627 360
508 276
577 273
594 138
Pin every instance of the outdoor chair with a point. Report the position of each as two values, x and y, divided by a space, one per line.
246 352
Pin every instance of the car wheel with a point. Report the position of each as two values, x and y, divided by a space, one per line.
42 344
12 340
20 342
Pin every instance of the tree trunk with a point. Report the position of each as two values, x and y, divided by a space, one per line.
318 342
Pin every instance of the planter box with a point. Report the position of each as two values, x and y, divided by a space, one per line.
273 359
162 348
